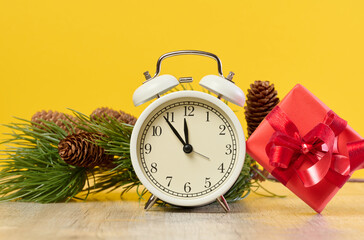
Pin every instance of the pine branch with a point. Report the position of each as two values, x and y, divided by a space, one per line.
241 187
115 139
32 169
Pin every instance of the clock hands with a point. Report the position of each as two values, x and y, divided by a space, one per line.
186 139
175 131
187 148
201 155
186 130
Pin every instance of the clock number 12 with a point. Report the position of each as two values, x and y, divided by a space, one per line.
189 111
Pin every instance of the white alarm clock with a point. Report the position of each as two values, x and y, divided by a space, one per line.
188 147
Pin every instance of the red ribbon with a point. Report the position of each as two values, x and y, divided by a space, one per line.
314 156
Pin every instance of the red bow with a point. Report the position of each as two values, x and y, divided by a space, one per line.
314 156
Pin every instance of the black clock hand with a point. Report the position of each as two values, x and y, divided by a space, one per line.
187 147
186 131
175 131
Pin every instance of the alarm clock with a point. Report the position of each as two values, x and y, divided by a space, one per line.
188 147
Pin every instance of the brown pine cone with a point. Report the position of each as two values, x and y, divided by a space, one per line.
80 150
60 119
121 116
261 99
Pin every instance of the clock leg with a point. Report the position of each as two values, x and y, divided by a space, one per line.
223 203
150 202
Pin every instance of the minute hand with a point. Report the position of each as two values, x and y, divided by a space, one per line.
175 131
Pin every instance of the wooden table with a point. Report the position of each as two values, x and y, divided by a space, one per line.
107 217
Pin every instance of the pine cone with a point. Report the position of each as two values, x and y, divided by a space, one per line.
80 150
261 99
58 118
121 116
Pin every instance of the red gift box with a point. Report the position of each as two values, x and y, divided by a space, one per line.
307 147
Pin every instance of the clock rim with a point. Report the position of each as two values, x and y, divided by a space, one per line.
240 156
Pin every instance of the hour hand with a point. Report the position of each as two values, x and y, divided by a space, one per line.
186 131
174 131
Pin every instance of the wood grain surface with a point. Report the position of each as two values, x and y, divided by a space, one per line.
256 217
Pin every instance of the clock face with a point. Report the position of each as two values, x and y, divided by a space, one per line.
189 148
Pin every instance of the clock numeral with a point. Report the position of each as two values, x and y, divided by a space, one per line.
207 182
169 179
221 168
187 187
189 111
170 116
207 116
157 130
148 148
222 128
153 167
228 149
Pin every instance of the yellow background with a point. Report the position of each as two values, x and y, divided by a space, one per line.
86 54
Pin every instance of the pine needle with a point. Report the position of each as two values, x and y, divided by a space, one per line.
32 169
115 139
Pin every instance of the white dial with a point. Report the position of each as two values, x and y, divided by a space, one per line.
188 148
